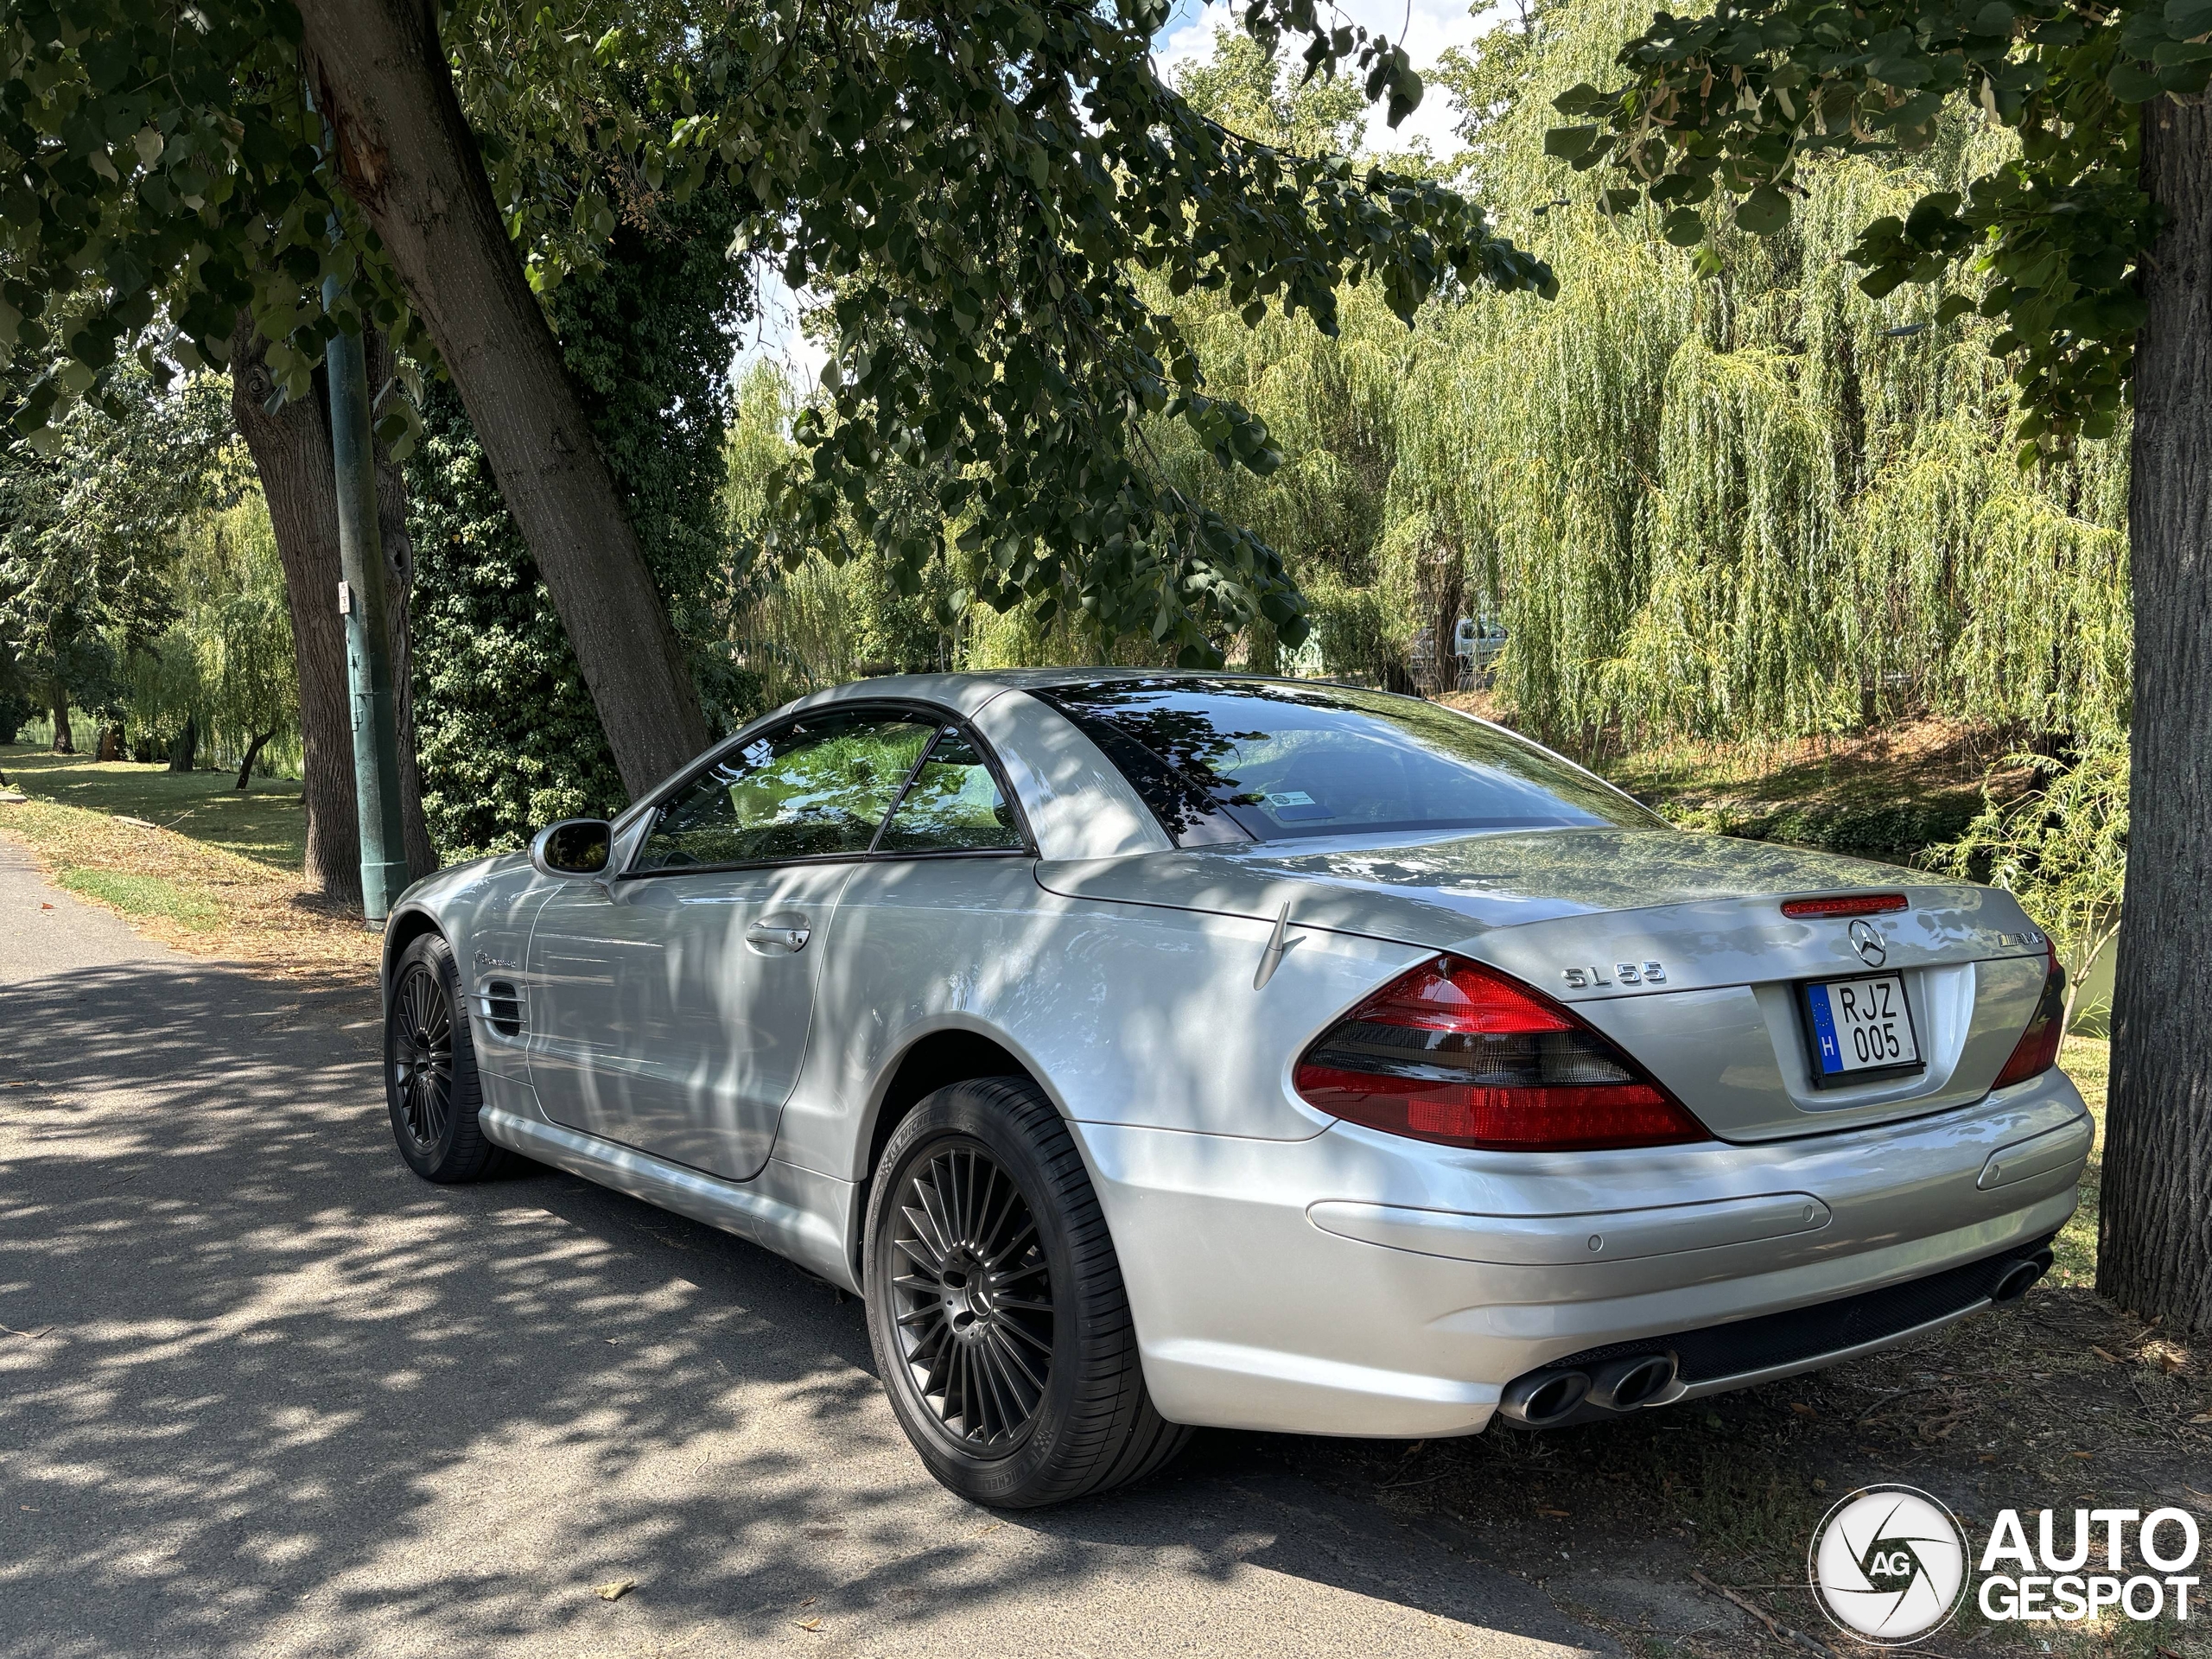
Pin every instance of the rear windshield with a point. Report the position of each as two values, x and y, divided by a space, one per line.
1269 760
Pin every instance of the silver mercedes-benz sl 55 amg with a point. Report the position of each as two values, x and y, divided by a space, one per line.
1159 1050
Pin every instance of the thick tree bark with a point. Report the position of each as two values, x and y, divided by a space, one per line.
292 454
2155 1252
64 741
411 160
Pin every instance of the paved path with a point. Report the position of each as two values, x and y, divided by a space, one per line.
263 1391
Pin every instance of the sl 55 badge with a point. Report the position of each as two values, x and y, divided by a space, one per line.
1626 973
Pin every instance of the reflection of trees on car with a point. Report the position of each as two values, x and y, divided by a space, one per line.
1248 759
812 790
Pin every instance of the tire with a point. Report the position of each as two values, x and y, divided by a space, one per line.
430 1082
1020 1384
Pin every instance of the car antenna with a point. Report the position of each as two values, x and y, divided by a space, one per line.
1271 958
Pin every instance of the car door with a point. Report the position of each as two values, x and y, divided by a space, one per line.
673 1000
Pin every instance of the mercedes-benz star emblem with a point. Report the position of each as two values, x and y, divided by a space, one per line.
1866 940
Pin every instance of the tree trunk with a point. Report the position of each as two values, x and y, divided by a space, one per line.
186 747
2155 1252
399 591
409 160
64 743
252 755
291 452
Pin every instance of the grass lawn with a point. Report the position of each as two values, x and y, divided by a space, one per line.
265 822
188 859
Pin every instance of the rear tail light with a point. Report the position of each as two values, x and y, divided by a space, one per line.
1459 1054
1855 904
2038 1050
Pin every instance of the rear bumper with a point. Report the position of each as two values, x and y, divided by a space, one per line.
1362 1284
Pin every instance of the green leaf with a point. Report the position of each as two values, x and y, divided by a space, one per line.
2132 83
1569 143
1762 212
1684 227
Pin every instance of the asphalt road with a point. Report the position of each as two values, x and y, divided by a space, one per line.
263 1391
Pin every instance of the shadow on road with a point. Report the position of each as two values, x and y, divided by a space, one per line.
262 1389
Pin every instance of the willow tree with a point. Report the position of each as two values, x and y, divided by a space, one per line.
89 521
1741 497
2091 242
1746 501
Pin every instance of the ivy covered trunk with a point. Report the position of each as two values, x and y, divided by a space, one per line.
510 739
2155 1255
409 160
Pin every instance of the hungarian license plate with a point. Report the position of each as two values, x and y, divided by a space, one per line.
1860 1025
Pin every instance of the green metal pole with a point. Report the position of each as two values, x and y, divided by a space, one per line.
368 650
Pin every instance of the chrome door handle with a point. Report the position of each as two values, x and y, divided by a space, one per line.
762 936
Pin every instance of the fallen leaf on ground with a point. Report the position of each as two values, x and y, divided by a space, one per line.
808 1624
2085 1456
1802 1409
615 1590
2202 1417
1559 1515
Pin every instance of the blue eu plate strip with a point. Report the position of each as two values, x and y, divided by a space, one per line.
1816 998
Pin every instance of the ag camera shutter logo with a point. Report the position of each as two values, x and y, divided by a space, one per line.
1889 1564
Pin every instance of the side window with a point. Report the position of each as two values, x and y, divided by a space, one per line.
815 789
954 805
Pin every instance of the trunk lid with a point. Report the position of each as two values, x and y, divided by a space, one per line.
1586 916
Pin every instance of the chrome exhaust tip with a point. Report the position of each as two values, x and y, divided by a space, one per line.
1543 1398
1625 1384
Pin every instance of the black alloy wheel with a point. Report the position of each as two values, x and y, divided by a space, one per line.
995 1305
974 1295
421 1065
430 1081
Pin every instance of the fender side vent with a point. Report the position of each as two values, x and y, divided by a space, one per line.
502 1007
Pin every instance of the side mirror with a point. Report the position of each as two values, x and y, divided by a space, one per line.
572 847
